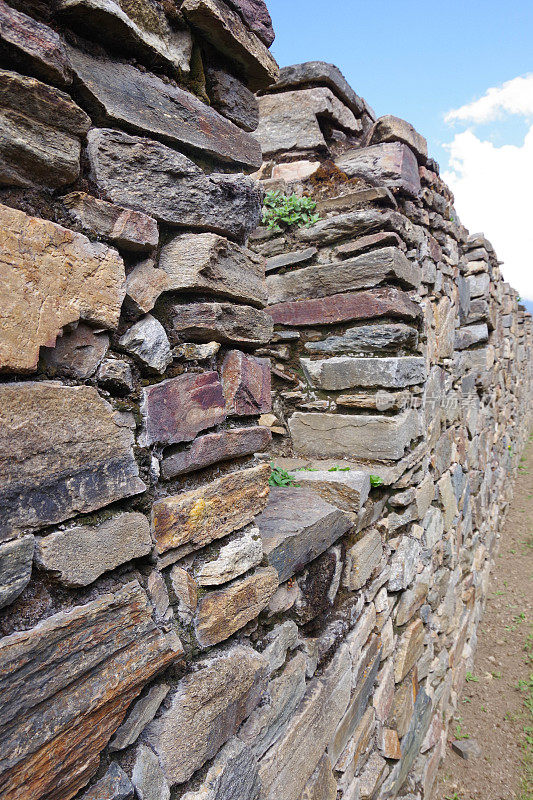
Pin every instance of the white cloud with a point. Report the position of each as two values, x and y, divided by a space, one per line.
492 185
512 97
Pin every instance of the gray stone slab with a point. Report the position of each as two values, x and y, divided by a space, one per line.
290 259
320 73
344 488
391 164
347 372
15 568
220 322
471 335
368 339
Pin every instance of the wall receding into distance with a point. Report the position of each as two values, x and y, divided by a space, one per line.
172 627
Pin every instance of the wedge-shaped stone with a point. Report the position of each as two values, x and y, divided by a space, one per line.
128 229
77 353
142 29
15 568
115 785
227 32
290 259
142 712
221 613
121 95
320 73
384 302
362 559
87 664
358 223
177 409
78 556
232 776
394 129
390 164
211 264
347 489
368 339
361 272
296 527
202 515
50 277
152 178
233 99
345 372
404 564
409 650
292 759
40 133
215 447
206 709
219 322
33 45
62 452
353 436
290 121
471 335
247 384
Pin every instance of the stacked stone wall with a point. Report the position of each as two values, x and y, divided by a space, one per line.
171 628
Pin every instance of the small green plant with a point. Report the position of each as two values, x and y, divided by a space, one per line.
283 211
339 469
471 678
280 477
454 796
376 481
459 733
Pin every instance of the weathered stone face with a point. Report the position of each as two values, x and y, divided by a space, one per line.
144 30
393 129
80 555
343 372
390 164
255 15
347 490
246 382
352 436
126 229
87 663
148 344
367 339
471 335
206 710
69 456
231 97
220 322
142 712
322 74
214 447
367 270
40 133
37 258
156 180
76 353
115 785
410 649
296 527
121 94
352 224
202 515
362 559
232 776
15 568
226 31
177 409
386 302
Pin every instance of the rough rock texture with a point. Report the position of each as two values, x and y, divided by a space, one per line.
77 353
214 447
389 164
221 322
115 785
367 339
37 259
148 343
142 712
344 372
246 384
322 74
156 180
255 14
233 99
393 129
15 568
129 230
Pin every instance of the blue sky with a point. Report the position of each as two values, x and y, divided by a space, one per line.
419 60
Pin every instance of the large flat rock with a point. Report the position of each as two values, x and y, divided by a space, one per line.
344 488
394 129
142 29
40 133
86 664
62 452
220 322
296 527
353 224
121 95
352 436
368 339
320 73
152 178
391 164
361 272
215 447
382 302
50 277
346 372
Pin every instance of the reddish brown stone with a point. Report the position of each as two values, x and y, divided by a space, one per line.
214 447
179 408
255 15
385 302
246 384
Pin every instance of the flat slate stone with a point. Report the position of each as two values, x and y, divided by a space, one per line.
352 224
232 99
390 164
296 527
378 195
129 230
320 73
381 302
87 665
151 177
142 712
347 489
246 382
394 129
115 785
199 516
40 133
228 34
347 372
322 784
148 777
15 568
220 322
290 259
44 265
242 552
232 776
353 436
177 409
211 264
255 14
368 339
143 30
62 452
471 335
78 556
32 45
119 94
362 559
215 447
363 271
206 709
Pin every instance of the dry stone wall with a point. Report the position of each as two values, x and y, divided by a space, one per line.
170 627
